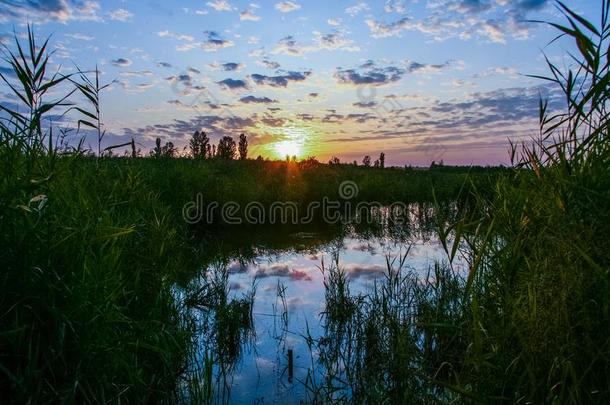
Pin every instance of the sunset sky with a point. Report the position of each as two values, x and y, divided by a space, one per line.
419 80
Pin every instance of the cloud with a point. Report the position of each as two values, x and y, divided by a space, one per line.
357 9
281 80
369 74
269 64
43 11
233 84
121 62
227 66
382 30
305 117
361 104
164 64
6 71
80 37
248 15
287 6
394 6
335 40
530 4
289 46
508 71
220 5
492 21
214 42
184 80
137 88
141 73
470 6
180 37
256 100
492 30
120 14
417 67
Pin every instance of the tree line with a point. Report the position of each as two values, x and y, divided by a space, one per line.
201 147
366 161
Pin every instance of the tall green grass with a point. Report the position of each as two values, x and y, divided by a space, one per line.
539 280
88 256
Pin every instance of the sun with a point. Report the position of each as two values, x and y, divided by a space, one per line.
287 148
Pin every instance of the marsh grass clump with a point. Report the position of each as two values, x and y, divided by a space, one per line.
89 252
224 327
390 345
539 279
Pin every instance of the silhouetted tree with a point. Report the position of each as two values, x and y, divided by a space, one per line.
243 147
213 151
156 151
382 160
355 163
366 161
226 148
334 161
166 151
376 164
199 145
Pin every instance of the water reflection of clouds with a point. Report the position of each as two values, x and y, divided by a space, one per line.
364 262
295 303
234 285
265 364
282 270
364 247
365 271
237 267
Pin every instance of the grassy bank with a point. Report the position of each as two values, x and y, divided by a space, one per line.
89 255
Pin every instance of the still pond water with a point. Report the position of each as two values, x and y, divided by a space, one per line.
281 272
